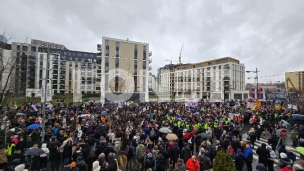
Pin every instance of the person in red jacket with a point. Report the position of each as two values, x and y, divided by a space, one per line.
192 164
287 168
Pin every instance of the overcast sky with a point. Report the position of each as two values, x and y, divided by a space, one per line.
264 34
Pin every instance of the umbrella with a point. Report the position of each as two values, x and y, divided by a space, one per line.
34 152
300 150
33 126
285 122
164 130
206 136
171 137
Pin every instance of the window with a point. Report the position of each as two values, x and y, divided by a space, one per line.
117 53
76 59
117 44
135 47
85 55
117 62
107 42
224 61
145 47
106 69
107 59
65 53
24 48
144 65
107 52
33 49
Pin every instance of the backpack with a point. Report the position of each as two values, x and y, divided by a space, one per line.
152 133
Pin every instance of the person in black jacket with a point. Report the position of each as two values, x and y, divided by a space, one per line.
130 157
175 154
264 154
107 151
112 165
239 160
67 153
205 163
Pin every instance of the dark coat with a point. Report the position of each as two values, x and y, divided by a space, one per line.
55 158
239 159
175 153
186 153
205 162
112 166
263 153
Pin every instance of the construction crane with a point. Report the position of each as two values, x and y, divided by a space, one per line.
180 55
171 61
293 87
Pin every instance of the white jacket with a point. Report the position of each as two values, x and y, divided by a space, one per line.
20 167
96 166
46 150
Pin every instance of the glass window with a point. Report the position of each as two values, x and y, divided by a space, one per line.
94 60
117 53
117 61
117 44
65 53
106 69
135 47
107 59
135 62
76 59
107 52
145 48
107 42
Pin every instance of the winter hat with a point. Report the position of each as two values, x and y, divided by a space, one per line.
268 146
239 150
283 155
72 165
147 151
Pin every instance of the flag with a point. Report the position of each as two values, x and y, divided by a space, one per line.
202 109
34 107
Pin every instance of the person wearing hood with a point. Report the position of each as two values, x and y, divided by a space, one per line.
43 157
261 167
284 161
239 160
180 166
271 159
264 154
20 167
95 166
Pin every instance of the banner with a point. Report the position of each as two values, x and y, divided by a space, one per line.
191 103
48 92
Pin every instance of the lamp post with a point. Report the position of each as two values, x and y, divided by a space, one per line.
257 78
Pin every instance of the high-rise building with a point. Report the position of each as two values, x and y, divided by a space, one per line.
222 78
68 71
123 70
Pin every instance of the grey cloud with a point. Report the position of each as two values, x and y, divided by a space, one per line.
263 34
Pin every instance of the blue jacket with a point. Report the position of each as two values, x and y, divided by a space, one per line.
248 154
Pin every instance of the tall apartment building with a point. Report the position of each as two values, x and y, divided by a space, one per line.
51 45
222 78
123 70
68 71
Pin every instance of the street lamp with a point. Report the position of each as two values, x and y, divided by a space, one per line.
257 78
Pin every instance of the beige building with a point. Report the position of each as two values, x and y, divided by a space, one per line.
123 70
214 79
294 82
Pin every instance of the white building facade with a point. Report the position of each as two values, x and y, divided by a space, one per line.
213 79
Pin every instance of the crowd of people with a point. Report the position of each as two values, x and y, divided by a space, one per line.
153 136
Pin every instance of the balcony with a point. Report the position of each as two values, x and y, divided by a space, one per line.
226 78
32 61
150 61
208 79
150 53
61 87
226 68
150 68
98 47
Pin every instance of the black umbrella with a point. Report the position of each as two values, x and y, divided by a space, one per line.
34 152
206 136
